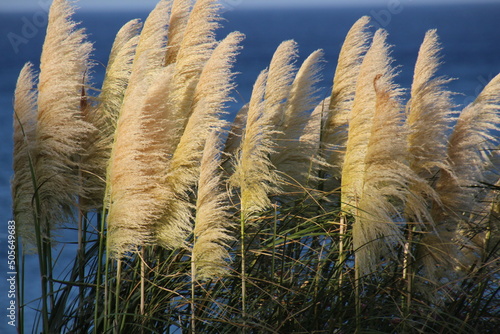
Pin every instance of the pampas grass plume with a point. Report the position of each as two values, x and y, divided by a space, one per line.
211 229
61 129
210 97
24 133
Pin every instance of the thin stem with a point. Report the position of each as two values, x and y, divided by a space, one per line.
243 268
41 249
357 296
117 293
143 281
193 310
407 271
99 268
81 263
342 231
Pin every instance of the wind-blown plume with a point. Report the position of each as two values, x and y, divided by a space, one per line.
429 111
279 81
469 152
211 229
254 173
209 100
194 51
386 178
61 129
104 117
118 72
340 103
137 165
24 133
141 144
376 61
469 149
296 152
153 37
178 23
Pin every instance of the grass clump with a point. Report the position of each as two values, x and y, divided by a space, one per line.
359 213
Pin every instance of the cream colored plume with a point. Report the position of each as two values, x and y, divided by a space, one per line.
117 73
339 105
254 174
196 47
61 128
211 229
138 163
279 82
104 117
295 151
210 97
469 149
429 112
153 37
471 144
376 62
24 132
178 23
141 145
386 179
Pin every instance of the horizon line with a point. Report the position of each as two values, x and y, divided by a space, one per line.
264 6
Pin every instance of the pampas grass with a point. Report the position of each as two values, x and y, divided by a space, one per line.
140 148
61 128
23 187
296 148
211 229
148 156
470 147
104 116
254 174
178 23
340 103
375 62
183 168
429 111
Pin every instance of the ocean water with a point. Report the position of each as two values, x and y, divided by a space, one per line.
470 35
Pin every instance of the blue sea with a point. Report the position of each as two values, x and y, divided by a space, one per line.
470 35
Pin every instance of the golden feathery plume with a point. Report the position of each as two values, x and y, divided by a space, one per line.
24 135
376 61
178 23
340 103
197 45
211 229
386 178
429 111
470 147
294 155
117 73
209 100
153 37
141 146
279 81
254 173
233 140
104 117
61 128
137 165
